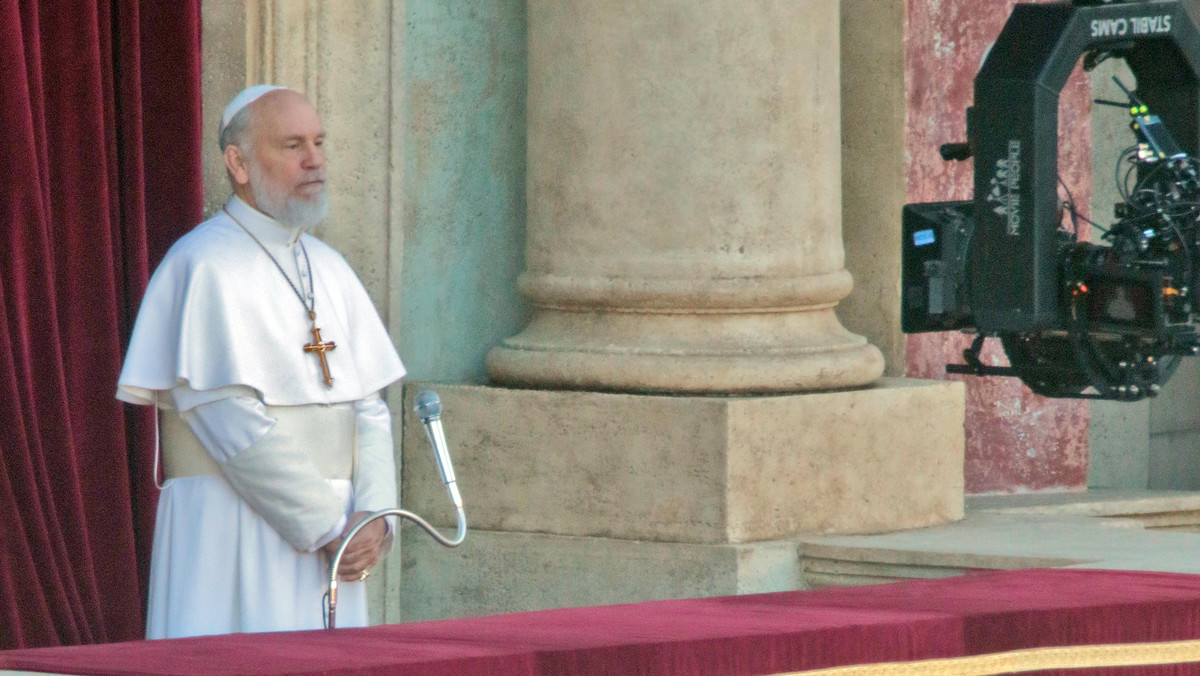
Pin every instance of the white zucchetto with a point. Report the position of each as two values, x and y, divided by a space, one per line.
244 98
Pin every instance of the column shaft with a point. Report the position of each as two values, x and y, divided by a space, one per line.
684 200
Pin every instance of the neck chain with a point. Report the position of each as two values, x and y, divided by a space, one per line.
318 346
311 303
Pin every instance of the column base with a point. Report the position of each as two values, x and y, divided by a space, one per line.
703 470
702 353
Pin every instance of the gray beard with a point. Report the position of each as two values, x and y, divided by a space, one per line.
290 211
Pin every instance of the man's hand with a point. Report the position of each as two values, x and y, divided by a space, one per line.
364 550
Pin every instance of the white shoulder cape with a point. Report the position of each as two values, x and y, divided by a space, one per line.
218 313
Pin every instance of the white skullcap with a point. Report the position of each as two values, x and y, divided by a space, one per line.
244 98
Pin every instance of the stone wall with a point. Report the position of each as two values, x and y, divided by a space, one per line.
461 178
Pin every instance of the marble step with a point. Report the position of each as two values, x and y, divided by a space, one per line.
1122 530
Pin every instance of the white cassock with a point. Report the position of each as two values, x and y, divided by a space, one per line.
219 347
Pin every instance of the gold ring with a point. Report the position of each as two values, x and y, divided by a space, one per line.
365 575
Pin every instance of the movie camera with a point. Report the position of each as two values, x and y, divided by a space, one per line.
1108 319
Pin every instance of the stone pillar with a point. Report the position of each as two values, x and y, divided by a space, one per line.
684 200
684 196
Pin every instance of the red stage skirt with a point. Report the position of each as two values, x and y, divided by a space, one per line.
984 614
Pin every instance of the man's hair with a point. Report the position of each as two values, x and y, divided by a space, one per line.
237 132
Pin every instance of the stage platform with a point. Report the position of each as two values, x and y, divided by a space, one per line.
982 617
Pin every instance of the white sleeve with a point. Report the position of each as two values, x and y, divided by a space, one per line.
279 483
225 425
375 471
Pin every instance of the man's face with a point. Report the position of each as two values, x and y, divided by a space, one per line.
287 160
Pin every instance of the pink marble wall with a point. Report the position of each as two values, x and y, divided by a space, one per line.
1016 440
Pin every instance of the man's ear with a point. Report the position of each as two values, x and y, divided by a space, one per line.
235 162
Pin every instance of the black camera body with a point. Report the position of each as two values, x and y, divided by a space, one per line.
1077 319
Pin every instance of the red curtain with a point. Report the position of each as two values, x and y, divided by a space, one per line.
100 142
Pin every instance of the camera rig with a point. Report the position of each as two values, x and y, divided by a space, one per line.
1107 320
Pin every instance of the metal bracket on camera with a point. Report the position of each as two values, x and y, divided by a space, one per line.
974 366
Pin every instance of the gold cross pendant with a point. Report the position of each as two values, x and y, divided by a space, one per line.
320 348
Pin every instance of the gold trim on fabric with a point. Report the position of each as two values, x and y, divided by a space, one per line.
1032 659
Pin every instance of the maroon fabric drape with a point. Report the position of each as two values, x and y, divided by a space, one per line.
100 139
981 614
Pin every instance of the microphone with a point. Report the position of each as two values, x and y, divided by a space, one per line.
429 410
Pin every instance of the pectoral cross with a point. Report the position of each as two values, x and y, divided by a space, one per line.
320 347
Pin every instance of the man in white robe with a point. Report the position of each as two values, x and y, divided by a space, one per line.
266 358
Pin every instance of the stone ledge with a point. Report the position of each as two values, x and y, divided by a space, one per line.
695 469
1093 502
1157 510
838 565
497 572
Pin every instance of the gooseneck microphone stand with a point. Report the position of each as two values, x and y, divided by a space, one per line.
429 409
402 513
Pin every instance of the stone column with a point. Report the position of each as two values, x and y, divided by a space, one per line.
684 200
